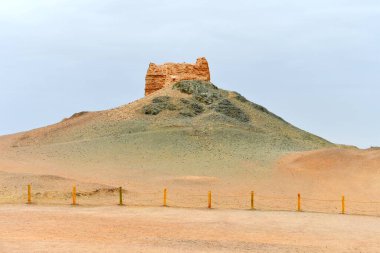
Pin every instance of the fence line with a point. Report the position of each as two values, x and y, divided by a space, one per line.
251 201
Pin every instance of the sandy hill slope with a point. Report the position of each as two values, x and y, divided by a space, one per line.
191 128
191 134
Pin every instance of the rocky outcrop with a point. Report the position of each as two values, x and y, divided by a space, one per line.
159 76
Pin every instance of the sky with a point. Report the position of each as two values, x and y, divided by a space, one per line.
315 63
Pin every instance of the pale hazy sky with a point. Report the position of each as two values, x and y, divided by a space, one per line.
316 63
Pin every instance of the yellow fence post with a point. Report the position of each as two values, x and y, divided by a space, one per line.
29 194
343 205
209 199
74 194
299 203
252 200
120 196
165 196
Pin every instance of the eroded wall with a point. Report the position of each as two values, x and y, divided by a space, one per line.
159 76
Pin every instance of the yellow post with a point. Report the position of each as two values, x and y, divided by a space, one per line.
343 206
299 203
74 195
252 200
120 196
165 195
29 194
209 199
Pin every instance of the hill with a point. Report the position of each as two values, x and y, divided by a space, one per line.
187 135
192 126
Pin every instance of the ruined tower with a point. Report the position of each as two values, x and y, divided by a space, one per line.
159 76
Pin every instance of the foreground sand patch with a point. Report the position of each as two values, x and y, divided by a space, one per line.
122 229
195 180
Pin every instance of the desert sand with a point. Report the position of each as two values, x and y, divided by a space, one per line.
190 139
122 229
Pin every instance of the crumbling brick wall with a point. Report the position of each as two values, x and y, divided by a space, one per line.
159 76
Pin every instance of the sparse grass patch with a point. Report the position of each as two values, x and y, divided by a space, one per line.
227 108
159 104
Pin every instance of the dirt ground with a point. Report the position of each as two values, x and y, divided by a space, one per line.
29 228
